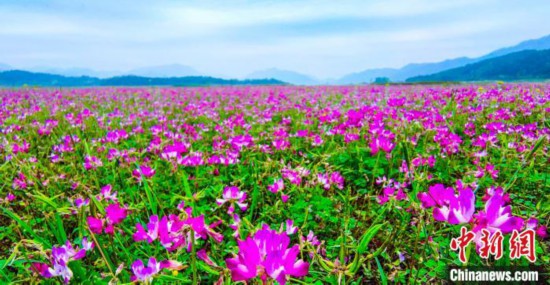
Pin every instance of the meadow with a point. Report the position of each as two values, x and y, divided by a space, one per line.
268 184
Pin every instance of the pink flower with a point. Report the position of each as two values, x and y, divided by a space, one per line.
448 206
337 180
79 202
95 225
60 258
146 273
92 162
115 214
532 224
202 255
322 178
232 195
143 171
174 233
106 194
389 192
289 226
152 230
266 255
277 186
491 170
381 143
497 216
20 182
295 175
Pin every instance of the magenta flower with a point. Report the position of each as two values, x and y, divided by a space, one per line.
448 206
143 171
532 224
278 186
289 227
152 230
19 182
174 233
80 202
9 197
92 162
337 180
146 273
381 143
95 225
232 195
114 215
60 258
107 194
437 195
202 255
266 255
497 216
294 175
389 192
322 179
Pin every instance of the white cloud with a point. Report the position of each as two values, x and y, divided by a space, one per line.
323 38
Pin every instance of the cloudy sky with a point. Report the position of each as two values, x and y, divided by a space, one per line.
326 39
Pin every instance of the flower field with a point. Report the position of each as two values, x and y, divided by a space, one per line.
267 185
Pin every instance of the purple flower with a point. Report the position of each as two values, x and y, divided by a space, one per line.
289 226
143 171
60 258
152 230
115 214
322 178
448 206
174 233
265 255
277 186
95 225
92 162
202 255
532 224
497 216
381 143
337 180
232 195
146 273
107 194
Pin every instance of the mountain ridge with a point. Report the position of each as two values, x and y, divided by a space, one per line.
521 65
16 78
418 69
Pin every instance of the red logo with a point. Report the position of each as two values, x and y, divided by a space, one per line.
521 244
462 242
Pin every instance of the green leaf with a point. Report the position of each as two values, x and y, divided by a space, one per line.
367 237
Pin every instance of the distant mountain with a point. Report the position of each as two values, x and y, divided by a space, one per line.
71 71
285 76
417 69
4 67
536 44
523 65
367 76
16 78
171 70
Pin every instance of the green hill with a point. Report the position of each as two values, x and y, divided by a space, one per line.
14 78
523 65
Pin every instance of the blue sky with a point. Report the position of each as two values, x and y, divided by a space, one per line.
326 39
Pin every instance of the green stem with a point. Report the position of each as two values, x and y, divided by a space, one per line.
194 258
